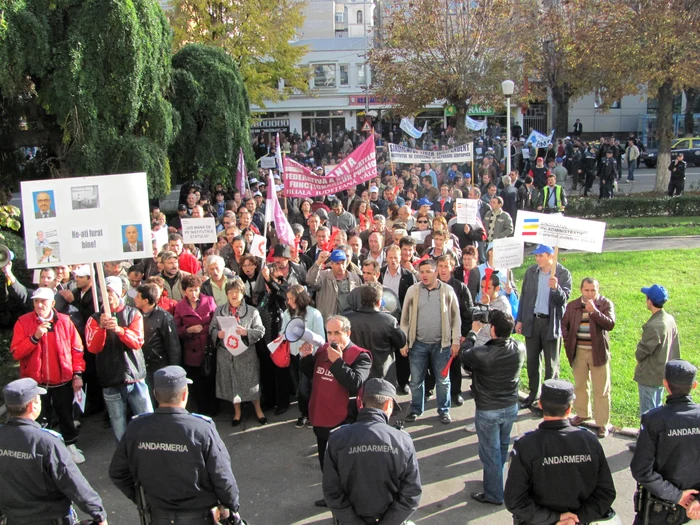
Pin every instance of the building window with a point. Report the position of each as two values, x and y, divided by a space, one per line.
324 75
344 74
359 16
322 122
339 17
361 79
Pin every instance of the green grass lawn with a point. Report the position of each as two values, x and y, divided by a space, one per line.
621 276
652 227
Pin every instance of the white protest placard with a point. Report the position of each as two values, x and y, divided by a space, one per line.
160 237
258 246
232 341
80 399
508 252
86 219
268 163
328 168
420 236
466 211
199 231
561 231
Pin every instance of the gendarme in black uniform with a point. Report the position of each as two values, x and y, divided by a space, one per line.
39 479
667 457
178 458
558 468
371 470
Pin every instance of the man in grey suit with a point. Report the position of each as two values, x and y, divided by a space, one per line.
132 243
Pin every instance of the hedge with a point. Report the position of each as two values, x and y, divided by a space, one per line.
591 208
13 308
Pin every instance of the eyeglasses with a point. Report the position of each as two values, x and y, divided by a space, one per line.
422 222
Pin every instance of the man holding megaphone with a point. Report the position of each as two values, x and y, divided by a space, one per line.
337 372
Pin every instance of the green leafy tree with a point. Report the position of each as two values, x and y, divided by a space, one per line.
256 33
85 82
212 101
567 51
663 55
431 50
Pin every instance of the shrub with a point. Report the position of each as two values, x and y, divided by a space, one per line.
634 207
11 307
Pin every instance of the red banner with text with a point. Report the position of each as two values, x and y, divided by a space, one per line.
358 167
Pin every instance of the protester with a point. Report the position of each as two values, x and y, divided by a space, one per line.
431 321
659 343
50 351
238 376
121 368
543 298
585 328
495 369
375 330
193 317
337 371
332 285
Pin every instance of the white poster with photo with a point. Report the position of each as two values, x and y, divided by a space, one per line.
508 252
86 219
199 231
466 210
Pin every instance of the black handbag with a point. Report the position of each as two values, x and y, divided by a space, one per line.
209 363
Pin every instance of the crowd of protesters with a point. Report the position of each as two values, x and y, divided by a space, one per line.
397 235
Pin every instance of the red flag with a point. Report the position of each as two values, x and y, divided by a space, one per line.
446 370
421 260
329 245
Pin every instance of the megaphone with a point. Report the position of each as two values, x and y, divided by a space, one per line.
390 301
6 255
296 330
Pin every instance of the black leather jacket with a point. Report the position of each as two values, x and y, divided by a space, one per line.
496 371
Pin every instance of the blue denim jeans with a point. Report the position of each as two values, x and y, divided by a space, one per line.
493 429
630 169
650 397
116 398
419 357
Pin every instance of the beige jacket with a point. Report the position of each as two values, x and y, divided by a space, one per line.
451 321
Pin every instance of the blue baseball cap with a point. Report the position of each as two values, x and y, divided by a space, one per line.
338 256
656 293
424 202
542 248
558 159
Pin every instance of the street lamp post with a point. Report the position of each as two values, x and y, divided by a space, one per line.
508 86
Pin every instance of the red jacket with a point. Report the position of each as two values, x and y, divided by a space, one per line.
56 357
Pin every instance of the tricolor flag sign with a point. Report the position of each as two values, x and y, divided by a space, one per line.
531 226
558 230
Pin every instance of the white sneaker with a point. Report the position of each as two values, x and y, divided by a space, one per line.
76 454
470 428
